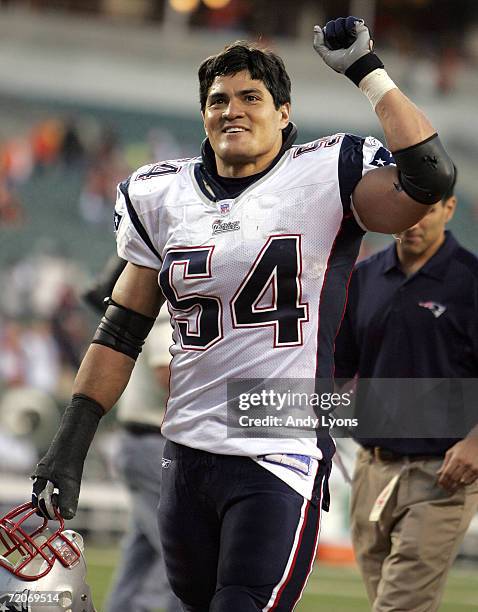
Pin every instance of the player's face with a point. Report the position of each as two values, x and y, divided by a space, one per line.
243 125
426 236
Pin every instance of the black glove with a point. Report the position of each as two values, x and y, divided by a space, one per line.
57 477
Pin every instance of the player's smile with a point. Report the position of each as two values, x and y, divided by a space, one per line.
234 129
243 125
233 132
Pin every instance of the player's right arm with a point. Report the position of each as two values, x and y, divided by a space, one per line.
106 369
101 379
109 361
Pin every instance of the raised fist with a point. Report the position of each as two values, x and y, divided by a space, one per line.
342 43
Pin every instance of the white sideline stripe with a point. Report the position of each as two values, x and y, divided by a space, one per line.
315 547
276 589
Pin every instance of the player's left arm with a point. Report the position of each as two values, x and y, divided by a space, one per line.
460 465
391 199
388 199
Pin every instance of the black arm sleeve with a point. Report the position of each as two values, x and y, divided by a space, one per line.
123 329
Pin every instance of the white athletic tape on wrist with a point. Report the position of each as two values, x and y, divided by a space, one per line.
375 85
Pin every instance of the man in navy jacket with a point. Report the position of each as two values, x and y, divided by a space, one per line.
412 313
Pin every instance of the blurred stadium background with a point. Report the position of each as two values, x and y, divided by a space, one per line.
91 89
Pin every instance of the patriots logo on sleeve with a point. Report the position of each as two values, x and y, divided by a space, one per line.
382 157
158 170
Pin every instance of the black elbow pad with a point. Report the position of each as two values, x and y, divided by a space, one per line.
123 330
426 172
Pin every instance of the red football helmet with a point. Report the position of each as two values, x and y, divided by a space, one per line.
38 558
23 533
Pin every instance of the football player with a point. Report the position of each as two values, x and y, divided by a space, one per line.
252 244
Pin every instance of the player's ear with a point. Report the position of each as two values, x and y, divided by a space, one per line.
204 122
284 110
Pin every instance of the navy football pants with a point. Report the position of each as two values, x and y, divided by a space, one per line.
236 538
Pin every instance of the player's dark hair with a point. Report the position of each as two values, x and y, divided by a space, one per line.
263 65
451 190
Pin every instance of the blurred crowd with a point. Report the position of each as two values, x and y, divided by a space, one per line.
58 142
444 32
41 332
45 328
43 286
86 145
44 332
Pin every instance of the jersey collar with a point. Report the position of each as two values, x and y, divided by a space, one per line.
206 171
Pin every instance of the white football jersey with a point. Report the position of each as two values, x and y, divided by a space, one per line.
256 285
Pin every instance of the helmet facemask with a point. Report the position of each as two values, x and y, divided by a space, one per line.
40 556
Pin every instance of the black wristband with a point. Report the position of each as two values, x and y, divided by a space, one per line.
363 66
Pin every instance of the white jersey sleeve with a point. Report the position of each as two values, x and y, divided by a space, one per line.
136 219
372 155
132 236
375 155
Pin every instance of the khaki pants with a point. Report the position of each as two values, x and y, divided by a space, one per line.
405 556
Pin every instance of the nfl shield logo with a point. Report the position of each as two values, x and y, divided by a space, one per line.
225 207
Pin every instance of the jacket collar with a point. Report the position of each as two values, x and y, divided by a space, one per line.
435 267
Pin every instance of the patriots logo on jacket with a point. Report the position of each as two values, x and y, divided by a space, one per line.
382 157
434 307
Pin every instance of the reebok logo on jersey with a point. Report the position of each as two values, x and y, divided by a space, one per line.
117 220
436 309
165 463
220 227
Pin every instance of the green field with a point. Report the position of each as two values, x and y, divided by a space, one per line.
330 589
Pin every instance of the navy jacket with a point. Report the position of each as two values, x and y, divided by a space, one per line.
423 326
